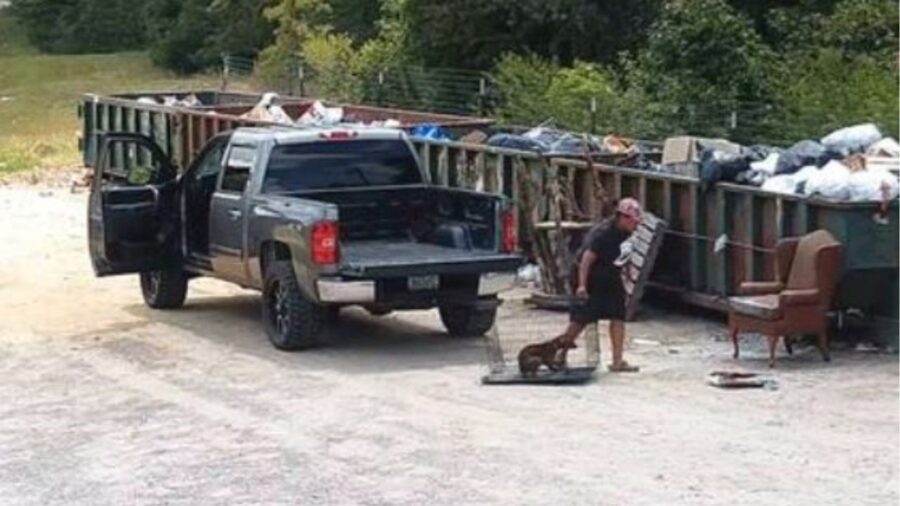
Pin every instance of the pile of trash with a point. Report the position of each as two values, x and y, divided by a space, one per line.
552 142
843 166
172 101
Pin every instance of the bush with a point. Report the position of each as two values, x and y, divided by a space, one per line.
532 90
328 61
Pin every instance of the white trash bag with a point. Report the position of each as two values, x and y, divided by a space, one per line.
786 184
319 115
852 139
831 182
873 186
768 165
268 110
885 147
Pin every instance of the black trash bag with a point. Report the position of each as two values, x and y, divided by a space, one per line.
802 154
519 142
718 166
752 177
760 152
570 145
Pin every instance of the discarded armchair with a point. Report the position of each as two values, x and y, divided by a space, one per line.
797 303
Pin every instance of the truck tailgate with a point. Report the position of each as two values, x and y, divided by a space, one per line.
371 259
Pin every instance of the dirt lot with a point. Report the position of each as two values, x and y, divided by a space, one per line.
105 402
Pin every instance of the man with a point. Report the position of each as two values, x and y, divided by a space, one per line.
599 282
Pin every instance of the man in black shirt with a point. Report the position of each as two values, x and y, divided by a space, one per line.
600 293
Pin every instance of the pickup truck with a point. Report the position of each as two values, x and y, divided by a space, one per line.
316 219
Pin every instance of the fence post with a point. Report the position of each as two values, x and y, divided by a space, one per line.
225 71
301 75
378 92
482 97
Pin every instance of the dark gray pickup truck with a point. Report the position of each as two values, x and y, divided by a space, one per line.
315 218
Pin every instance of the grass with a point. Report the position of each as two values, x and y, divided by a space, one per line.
39 94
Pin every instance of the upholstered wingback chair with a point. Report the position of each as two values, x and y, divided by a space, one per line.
796 303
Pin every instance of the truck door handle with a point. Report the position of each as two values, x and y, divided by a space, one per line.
234 214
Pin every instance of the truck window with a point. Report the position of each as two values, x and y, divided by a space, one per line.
237 169
343 164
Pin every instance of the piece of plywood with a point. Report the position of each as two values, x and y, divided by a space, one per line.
637 269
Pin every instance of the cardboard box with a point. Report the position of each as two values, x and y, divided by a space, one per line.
681 155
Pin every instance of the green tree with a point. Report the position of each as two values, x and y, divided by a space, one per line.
475 33
533 90
241 27
358 19
702 60
80 26
823 90
295 21
865 28
178 31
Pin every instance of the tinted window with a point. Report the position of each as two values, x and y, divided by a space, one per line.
237 169
211 163
340 164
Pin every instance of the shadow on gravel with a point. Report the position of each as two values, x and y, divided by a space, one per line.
356 343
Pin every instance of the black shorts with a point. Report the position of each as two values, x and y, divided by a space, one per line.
606 301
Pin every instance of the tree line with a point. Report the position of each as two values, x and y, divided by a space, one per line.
753 70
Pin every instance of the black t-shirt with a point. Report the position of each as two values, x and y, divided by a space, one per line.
605 240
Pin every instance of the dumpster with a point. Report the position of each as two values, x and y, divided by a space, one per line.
182 130
715 239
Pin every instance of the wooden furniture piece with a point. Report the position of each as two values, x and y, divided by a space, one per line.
796 303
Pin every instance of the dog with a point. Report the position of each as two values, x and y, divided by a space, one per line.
551 354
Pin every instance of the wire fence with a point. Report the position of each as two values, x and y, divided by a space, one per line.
468 92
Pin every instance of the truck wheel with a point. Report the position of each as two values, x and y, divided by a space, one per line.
292 321
467 321
165 289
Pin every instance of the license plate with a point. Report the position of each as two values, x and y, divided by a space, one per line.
420 283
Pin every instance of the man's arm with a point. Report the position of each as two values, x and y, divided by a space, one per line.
584 270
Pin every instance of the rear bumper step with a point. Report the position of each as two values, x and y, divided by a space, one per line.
344 291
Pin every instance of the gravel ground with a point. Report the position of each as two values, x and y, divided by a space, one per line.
105 402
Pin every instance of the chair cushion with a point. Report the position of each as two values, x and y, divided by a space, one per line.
764 307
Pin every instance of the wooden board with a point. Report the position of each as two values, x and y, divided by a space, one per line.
636 271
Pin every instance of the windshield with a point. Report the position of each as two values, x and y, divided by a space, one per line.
323 165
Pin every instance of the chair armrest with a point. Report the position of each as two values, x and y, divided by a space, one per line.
799 297
760 288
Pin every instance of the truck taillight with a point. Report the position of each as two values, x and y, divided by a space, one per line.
510 231
325 243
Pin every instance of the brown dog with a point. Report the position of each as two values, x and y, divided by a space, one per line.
551 354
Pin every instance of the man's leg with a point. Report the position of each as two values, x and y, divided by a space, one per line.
617 340
572 332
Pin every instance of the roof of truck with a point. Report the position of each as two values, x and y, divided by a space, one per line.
289 135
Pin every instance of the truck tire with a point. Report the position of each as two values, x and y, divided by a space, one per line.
467 321
292 321
164 289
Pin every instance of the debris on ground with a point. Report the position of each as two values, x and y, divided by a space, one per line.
737 380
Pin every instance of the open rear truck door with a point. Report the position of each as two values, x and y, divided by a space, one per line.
133 215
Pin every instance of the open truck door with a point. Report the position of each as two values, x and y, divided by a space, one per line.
133 214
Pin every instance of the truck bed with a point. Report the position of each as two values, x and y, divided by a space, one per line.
392 258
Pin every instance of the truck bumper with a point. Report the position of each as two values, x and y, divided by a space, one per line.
340 291
347 292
